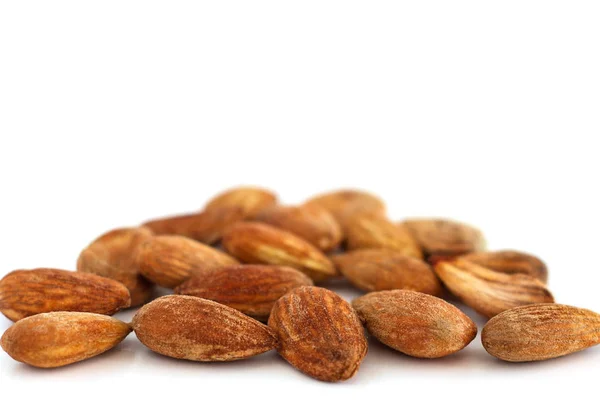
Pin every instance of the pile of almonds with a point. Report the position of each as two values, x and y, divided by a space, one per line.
244 272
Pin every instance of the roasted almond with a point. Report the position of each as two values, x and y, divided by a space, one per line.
60 338
319 333
510 262
540 332
28 292
169 260
489 292
371 232
197 329
251 289
382 269
345 203
415 324
111 256
258 243
250 200
310 222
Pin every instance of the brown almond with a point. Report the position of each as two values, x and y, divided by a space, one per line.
319 333
346 203
510 262
60 338
28 292
169 260
250 200
415 324
370 232
540 332
258 243
489 292
382 269
251 289
197 329
111 256
310 222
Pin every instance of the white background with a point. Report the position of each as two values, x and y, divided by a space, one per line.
113 112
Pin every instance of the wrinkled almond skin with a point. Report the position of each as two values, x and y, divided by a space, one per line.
169 260
540 332
345 202
442 238
382 269
251 289
206 227
310 222
197 329
371 232
28 292
60 338
489 292
258 243
111 256
510 262
319 333
250 200
415 323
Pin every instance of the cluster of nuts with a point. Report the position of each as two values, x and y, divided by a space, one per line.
245 261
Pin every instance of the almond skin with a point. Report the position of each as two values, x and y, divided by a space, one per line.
206 227
169 260
310 222
197 329
250 200
382 269
540 332
28 292
371 232
345 203
251 289
111 256
60 338
510 262
415 323
258 243
319 333
489 292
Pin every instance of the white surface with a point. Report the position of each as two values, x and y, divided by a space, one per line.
114 112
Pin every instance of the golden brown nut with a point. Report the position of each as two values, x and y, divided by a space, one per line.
510 262
250 200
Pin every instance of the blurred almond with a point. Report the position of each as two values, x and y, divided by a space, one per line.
251 289
169 260
28 292
343 204
383 269
415 323
111 256
250 200
319 333
258 243
489 292
510 262
197 329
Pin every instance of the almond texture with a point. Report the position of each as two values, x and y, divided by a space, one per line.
28 292
250 200
197 329
319 333
343 204
510 262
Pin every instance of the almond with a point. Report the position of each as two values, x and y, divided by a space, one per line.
169 260
382 269
370 232
250 200
310 222
258 243
60 338
251 289
197 329
489 292
343 204
540 332
511 262
111 256
319 333
28 292
415 324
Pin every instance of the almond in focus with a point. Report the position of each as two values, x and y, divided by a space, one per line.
510 262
